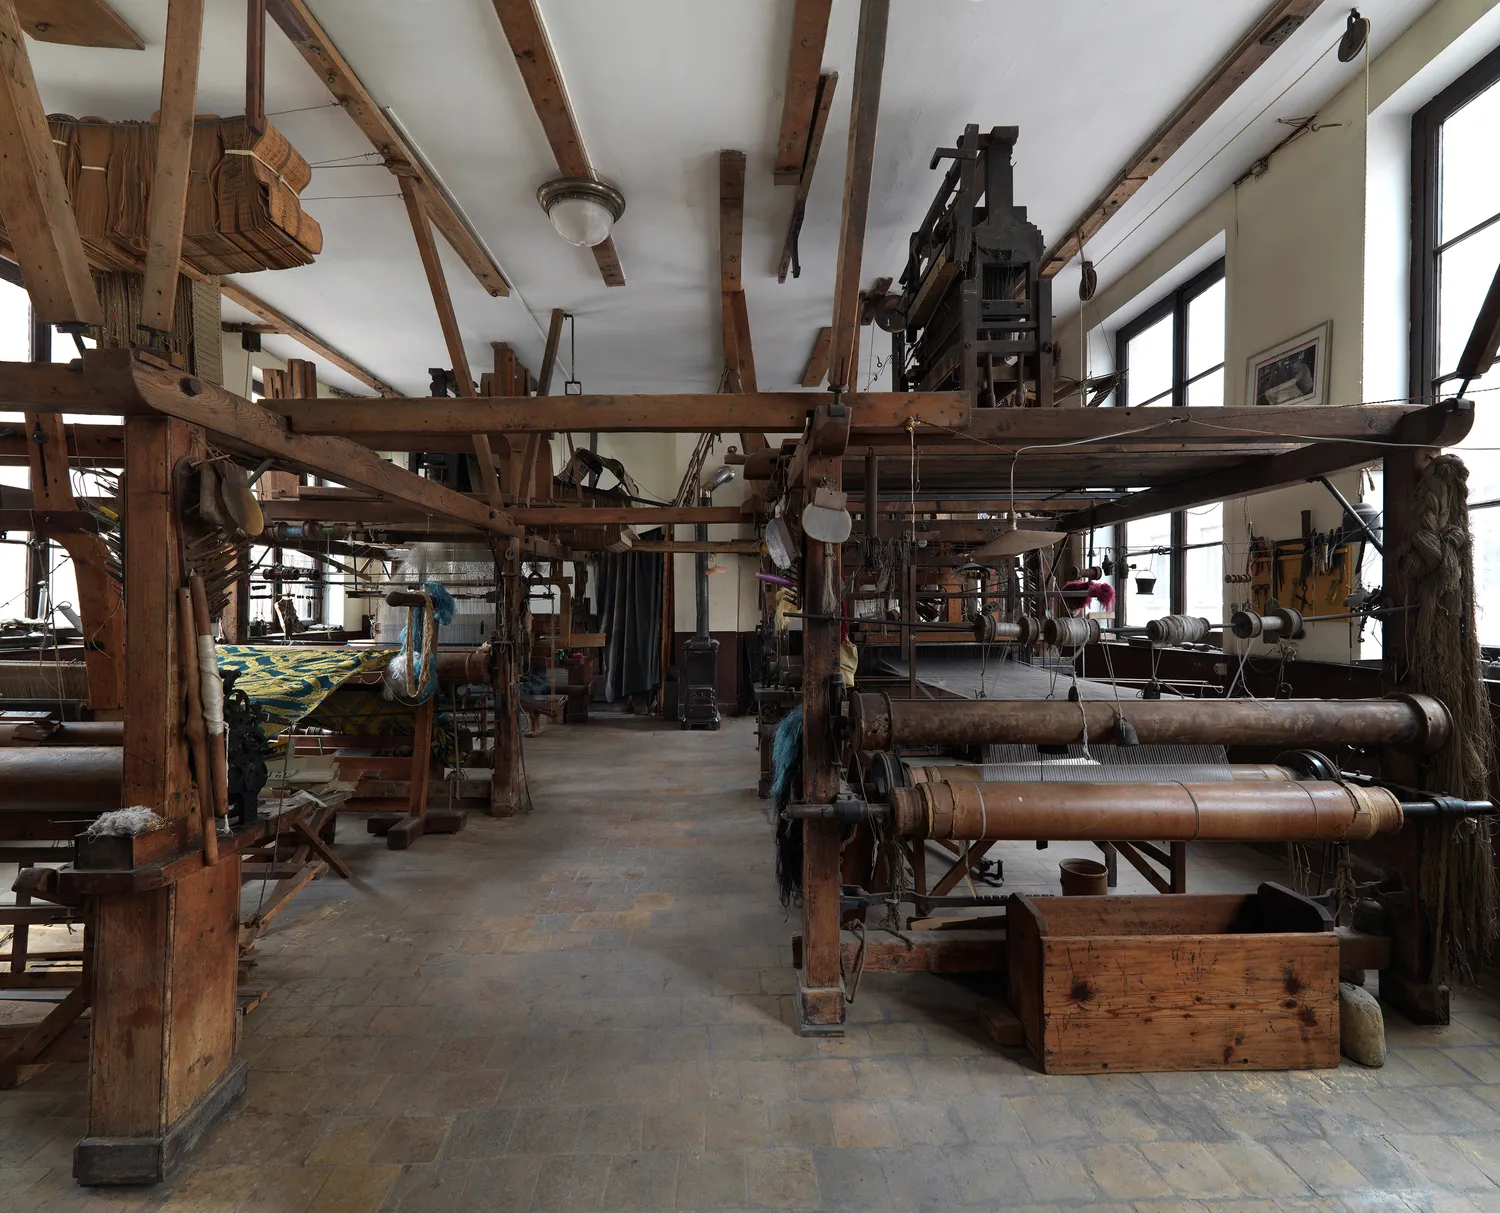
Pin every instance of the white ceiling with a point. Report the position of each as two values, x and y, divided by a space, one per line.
659 87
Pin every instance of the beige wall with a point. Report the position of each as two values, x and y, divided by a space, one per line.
1306 242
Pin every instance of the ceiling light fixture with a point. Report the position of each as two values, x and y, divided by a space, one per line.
583 211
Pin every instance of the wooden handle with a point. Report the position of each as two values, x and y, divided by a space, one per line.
218 743
197 735
406 598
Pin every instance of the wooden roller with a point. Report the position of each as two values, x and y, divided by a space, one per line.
1159 812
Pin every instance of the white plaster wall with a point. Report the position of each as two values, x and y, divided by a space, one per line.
1321 235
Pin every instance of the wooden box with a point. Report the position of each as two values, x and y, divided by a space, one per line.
1188 982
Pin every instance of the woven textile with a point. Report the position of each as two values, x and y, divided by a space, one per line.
290 682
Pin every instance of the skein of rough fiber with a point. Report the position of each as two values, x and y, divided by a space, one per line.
1459 882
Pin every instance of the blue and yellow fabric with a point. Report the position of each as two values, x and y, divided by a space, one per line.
291 682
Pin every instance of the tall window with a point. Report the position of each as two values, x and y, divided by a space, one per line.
1455 252
1173 355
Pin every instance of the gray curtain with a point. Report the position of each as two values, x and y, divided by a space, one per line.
630 609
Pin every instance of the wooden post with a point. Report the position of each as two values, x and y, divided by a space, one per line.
255 66
820 991
33 195
174 148
161 1050
416 210
1407 984
505 777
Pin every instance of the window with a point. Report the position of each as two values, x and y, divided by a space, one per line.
1173 355
1455 251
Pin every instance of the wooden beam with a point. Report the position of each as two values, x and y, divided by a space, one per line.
33 195
77 23
1438 425
723 547
764 412
816 369
167 215
277 321
549 355
744 351
869 65
342 505
416 209
731 218
799 100
1247 56
827 83
255 66
243 425
315 46
523 27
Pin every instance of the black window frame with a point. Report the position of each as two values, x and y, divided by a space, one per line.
1423 383
1175 304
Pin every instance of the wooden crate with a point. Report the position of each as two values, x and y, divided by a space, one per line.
1187 982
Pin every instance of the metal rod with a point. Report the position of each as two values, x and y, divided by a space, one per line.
1349 512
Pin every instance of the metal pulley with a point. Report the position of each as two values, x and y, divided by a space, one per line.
1278 623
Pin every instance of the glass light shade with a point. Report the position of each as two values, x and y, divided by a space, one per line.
581 221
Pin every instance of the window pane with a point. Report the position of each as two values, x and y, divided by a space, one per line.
1485 525
1207 391
15 323
1154 568
1464 275
1148 359
1469 185
1205 566
1205 335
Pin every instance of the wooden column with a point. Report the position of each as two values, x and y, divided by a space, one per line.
1407 984
820 991
174 147
510 643
161 1052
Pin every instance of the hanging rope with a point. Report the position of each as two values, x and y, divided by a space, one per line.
1458 869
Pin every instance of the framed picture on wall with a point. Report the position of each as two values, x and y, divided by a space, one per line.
1293 372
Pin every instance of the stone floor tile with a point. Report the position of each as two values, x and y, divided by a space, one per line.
805 1123
735 1125
851 1179
1441 1161
674 1127
348 1141
428 1187
411 1139
708 1179
573 1185
864 1124
642 1182
1321 1165
354 1189
927 1122
1190 1168
544 1131
1258 1171
1121 1172
782 1178
500 1183
1055 1173
1049 1118
825 1078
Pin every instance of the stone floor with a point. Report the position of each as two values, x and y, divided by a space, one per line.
587 1008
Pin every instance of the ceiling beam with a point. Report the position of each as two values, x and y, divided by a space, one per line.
437 283
316 47
1437 425
869 66
279 322
827 83
739 354
246 427
549 354
77 23
523 27
33 195
1248 55
816 369
764 412
809 33
167 213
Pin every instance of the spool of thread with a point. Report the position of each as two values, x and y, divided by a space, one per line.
1177 629
1069 632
